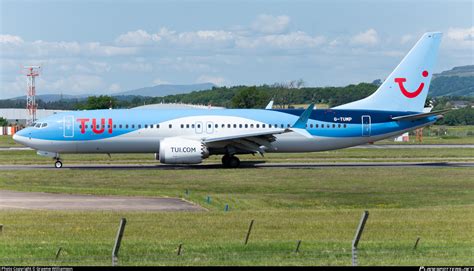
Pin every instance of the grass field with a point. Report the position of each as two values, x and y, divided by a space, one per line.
319 206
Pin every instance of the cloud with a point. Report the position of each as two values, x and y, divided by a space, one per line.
158 81
216 80
406 39
460 38
16 47
293 40
270 24
136 67
138 37
367 38
10 39
114 87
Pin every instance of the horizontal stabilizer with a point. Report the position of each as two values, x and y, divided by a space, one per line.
421 115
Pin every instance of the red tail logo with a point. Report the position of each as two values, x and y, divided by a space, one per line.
407 93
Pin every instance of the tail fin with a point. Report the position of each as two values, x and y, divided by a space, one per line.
407 86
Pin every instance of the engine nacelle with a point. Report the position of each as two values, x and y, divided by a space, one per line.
182 151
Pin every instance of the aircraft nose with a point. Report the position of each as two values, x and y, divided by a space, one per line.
19 137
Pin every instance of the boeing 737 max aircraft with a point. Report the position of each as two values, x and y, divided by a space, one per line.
189 136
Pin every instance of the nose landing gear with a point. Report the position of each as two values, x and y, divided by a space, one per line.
230 161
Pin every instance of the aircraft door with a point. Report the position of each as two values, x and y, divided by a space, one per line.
366 123
68 126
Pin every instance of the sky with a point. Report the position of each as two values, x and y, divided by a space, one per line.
105 47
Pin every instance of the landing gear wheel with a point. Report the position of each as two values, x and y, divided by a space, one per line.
225 160
234 162
58 164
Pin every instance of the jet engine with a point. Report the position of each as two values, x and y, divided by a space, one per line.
182 151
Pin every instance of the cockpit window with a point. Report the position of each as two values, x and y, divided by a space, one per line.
38 125
44 125
33 124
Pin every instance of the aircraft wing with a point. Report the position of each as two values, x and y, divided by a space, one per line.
260 141
256 142
421 115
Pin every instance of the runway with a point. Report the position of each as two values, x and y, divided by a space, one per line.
51 201
243 165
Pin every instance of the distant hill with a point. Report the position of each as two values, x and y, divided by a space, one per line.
459 81
165 89
53 97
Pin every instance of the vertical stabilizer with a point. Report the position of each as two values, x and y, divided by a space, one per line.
406 88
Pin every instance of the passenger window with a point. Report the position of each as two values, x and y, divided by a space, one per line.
151 126
246 126
317 125
345 125
199 126
120 126
140 126
80 126
288 125
182 126
216 126
269 126
263 125
187 126
228 125
282 125
339 125
240 125
87 126
146 126
192 126
333 125
157 126
170 126
235 125
115 126
133 126
311 125
126 126
258 125
208 126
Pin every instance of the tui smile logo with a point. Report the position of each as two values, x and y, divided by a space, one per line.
407 93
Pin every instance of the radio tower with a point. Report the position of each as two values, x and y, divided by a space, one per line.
31 73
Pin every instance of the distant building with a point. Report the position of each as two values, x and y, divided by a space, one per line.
459 104
18 116
403 138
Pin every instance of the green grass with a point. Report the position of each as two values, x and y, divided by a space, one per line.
344 155
7 141
319 206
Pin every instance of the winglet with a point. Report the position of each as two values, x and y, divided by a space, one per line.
303 119
269 105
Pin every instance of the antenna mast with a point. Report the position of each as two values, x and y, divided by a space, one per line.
31 73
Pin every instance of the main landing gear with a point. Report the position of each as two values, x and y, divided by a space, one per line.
230 161
58 164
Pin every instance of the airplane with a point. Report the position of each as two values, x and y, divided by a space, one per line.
188 136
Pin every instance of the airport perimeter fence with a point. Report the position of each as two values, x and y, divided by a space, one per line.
247 252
